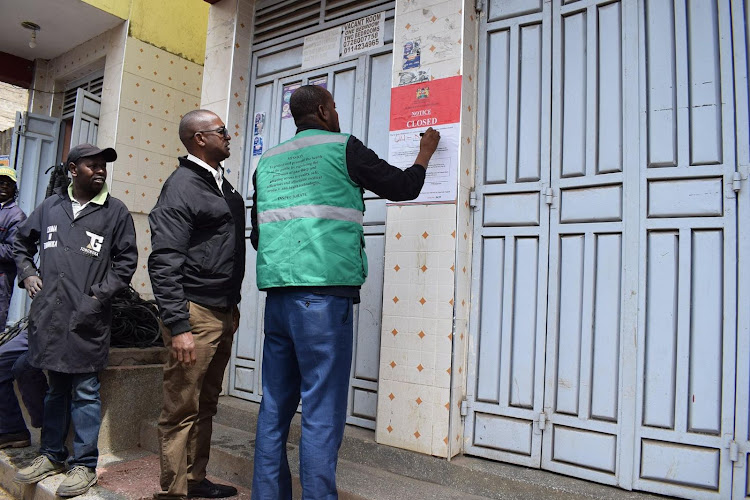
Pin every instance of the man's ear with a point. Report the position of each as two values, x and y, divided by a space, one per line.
72 169
322 112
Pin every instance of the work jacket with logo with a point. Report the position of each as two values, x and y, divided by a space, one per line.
84 262
310 214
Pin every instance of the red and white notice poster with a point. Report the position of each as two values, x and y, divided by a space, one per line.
414 108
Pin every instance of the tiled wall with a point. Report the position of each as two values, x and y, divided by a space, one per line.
427 261
158 88
146 92
105 51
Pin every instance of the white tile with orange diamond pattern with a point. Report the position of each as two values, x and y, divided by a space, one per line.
417 328
427 265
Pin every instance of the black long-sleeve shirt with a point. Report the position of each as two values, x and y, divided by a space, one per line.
368 171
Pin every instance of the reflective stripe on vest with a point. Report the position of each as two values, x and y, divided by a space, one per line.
303 142
311 211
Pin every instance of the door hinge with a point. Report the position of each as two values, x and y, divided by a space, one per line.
540 423
736 182
549 194
473 200
21 124
734 451
465 407
479 5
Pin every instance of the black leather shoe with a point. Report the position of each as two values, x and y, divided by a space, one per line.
15 440
207 489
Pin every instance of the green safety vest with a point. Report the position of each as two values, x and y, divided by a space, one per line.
309 214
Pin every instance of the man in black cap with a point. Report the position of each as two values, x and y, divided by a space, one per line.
88 254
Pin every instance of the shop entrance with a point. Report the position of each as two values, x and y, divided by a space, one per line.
605 341
361 88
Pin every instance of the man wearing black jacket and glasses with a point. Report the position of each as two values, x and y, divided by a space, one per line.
196 267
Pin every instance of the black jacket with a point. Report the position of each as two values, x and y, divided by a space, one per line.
197 245
84 262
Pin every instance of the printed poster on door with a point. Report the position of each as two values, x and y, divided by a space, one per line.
415 108
363 34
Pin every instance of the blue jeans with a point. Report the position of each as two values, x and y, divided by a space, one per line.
307 353
72 396
31 383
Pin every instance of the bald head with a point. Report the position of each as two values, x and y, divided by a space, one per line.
311 104
194 121
205 136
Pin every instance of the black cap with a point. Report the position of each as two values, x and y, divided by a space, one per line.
86 150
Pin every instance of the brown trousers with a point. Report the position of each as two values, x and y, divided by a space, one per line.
191 394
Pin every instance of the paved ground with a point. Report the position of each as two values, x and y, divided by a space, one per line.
130 475
138 479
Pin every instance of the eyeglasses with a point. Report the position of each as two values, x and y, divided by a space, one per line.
221 131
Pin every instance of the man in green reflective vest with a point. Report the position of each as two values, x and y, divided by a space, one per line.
307 227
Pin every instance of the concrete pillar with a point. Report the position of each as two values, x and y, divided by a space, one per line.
428 258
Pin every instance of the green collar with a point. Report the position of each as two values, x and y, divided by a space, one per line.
99 199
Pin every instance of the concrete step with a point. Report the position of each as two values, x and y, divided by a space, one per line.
232 453
373 471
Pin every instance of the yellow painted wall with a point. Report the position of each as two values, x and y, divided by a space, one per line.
119 8
177 26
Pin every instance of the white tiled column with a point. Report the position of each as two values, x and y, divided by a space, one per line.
427 261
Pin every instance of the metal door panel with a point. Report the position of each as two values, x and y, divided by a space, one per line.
500 9
668 259
363 395
529 164
379 104
685 407
34 150
344 89
506 357
585 359
366 98
741 49
609 102
85 118
507 374
583 383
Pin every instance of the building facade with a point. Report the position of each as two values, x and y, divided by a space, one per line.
574 299
578 305
118 73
